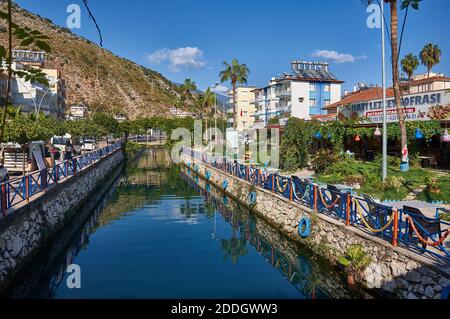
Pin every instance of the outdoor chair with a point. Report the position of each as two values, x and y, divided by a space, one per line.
431 227
375 210
433 161
335 194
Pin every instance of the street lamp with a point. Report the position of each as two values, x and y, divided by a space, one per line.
46 92
385 170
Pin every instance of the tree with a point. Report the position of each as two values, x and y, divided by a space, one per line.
205 102
409 64
24 129
189 86
28 37
393 5
235 73
430 56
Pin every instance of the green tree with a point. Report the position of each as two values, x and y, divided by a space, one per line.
430 56
189 86
409 65
27 38
24 129
395 48
235 73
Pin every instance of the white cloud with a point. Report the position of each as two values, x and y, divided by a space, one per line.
336 57
187 58
221 89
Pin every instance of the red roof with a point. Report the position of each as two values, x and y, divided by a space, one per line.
362 96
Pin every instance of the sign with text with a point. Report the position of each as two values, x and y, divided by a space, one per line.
416 107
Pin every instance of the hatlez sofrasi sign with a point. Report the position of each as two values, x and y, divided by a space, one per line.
416 107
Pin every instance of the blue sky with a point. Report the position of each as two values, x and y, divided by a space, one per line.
191 38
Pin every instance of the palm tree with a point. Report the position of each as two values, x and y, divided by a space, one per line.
393 5
205 101
409 64
189 86
236 73
430 56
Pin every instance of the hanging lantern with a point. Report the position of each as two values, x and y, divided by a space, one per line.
377 132
318 135
357 138
446 137
418 135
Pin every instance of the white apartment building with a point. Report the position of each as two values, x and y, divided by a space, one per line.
302 94
35 97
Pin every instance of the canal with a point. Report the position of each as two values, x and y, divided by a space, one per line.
159 232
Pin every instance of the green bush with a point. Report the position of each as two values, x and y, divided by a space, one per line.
393 161
394 183
324 160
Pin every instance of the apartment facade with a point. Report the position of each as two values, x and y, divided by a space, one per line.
421 83
244 114
35 97
303 94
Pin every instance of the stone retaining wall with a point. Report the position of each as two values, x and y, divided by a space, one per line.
394 271
27 229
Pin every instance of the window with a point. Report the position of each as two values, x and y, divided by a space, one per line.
312 111
312 87
327 88
327 102
312 102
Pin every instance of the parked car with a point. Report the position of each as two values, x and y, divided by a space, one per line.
59 142
89 145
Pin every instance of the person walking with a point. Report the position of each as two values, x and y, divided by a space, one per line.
68 150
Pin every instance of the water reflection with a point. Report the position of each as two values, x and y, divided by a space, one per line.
298 269
161 234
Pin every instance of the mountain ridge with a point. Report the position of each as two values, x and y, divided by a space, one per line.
96 76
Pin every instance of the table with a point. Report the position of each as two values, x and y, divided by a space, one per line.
429 210
425 158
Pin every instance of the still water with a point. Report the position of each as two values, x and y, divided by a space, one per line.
159 234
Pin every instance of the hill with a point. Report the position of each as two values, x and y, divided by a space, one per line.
97 77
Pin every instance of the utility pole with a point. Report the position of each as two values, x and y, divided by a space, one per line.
385 170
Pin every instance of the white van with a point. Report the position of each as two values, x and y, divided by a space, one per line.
59 142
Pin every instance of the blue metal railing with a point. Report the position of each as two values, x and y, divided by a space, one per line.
18 190
377 219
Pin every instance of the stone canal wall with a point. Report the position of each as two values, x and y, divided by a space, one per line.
394 271
28 228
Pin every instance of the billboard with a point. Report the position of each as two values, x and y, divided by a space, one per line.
416 107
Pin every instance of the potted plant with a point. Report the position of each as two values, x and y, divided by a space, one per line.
355 261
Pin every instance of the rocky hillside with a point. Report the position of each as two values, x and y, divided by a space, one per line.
97 77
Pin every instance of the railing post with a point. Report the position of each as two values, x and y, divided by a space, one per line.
273 183
4 199
74 163
348 210
258 175
27 187
44 179
291 183
315 197
395 231
56 174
